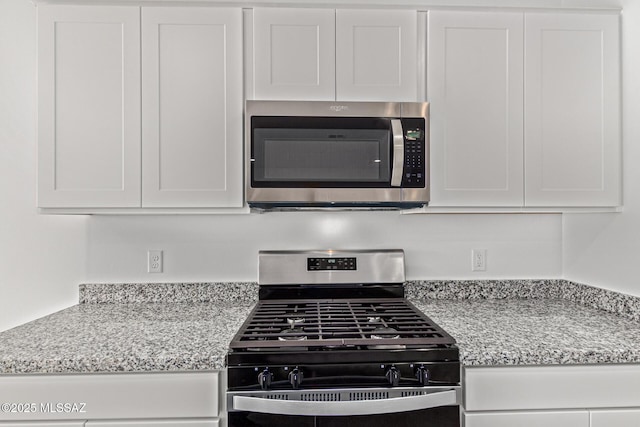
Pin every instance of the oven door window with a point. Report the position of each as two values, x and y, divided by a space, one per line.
322 152
445 416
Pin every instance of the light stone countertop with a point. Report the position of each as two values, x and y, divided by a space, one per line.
186 327
124 338
534 332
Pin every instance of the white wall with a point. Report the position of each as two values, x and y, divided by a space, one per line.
42 258
604 250
225 247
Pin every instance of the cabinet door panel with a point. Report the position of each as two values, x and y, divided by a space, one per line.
475 87
615 418
89 106
555 387
115 396
154 423
572 110
44 424
192 107
528 419
294 54
376 55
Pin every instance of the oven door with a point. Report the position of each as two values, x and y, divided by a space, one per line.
409 407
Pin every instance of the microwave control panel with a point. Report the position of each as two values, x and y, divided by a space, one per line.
414 153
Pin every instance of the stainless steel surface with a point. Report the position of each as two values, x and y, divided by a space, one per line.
344 402
417 194
302 196
290 267
415 109
327 108
397 169
325 195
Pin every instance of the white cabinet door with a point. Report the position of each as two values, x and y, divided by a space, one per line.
154 423
192 107
552 387
528 419
44 424
88 106
114 396
376 55
475 90
572 110
616 418
294 54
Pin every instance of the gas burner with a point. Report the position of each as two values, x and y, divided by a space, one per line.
293 334
385 334
293 321
374 319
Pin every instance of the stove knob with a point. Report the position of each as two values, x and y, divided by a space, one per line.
393 376
295 378
423 375
264 379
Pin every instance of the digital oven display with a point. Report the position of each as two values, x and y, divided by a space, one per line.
330 264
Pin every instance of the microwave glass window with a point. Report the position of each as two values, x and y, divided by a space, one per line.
322 155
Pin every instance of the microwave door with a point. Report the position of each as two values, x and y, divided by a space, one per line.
325 157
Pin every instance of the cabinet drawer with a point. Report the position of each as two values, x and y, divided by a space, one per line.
112 396
551 387
44 424
154 423
528 419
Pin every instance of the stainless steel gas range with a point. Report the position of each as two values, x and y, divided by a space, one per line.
333 342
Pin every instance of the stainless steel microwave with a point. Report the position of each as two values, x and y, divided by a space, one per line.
318 154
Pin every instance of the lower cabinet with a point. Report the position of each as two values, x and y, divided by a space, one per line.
577 418
528 419
123 423
552 396
189 399
154 423
44 424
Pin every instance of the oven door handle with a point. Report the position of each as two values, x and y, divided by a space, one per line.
345 408
398 153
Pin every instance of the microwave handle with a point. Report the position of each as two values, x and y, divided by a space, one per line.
398 153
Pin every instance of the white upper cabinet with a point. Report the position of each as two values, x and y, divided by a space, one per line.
376 55
572 110
113 137
89 106
475 90
525 109
294 54
192 107
326 54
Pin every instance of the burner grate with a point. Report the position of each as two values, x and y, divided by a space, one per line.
338 323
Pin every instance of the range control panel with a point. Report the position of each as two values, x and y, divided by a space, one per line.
330 264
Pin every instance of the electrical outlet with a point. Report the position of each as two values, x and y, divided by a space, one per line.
154 261
478 260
